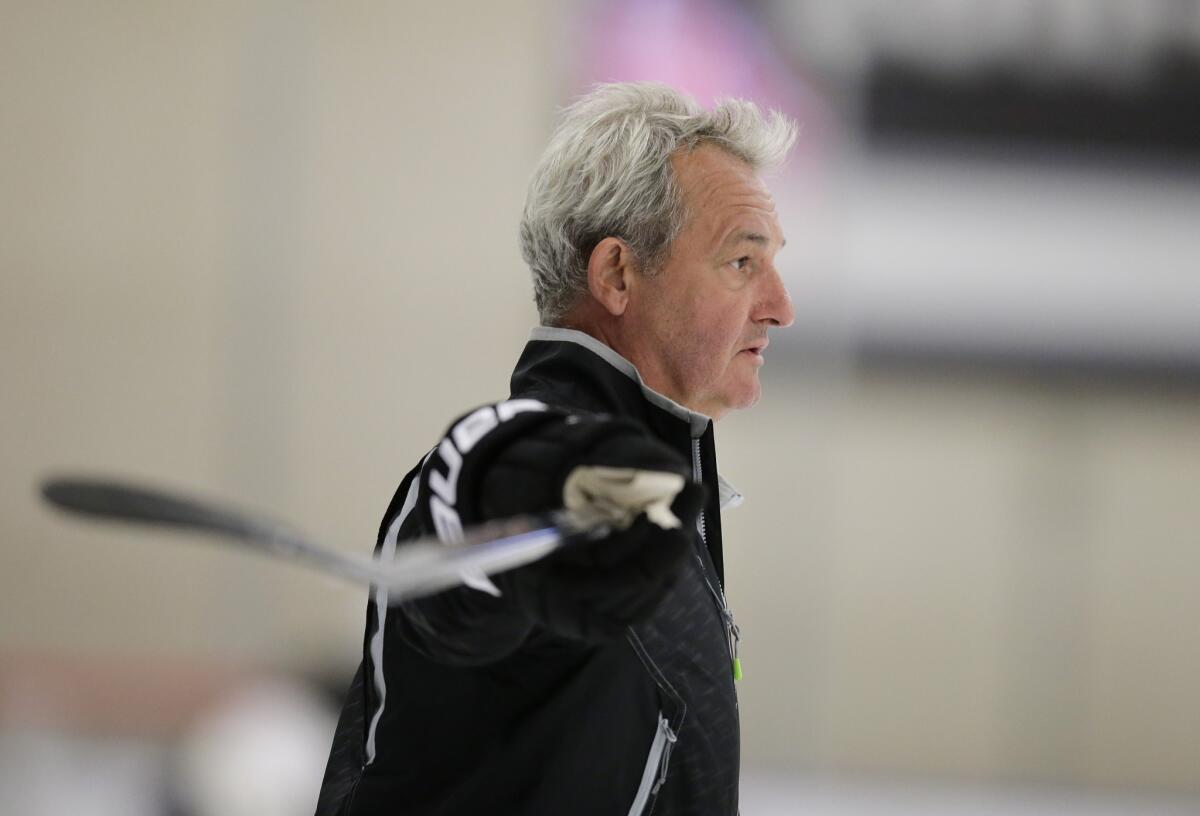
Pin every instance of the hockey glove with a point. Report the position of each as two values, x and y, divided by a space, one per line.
603 470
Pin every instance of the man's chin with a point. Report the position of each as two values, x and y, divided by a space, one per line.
741 398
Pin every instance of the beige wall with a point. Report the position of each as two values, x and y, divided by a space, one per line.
974 577
234 238
264 254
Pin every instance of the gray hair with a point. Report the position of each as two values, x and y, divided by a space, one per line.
607 172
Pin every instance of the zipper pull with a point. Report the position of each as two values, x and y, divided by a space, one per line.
736 636
665 759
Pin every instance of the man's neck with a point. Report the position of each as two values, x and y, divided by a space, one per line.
607 329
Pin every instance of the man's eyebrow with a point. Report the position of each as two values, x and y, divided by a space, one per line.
740 236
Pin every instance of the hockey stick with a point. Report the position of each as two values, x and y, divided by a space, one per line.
420 567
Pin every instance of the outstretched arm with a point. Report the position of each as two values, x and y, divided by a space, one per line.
522 457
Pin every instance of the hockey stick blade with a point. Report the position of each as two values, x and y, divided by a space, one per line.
420 567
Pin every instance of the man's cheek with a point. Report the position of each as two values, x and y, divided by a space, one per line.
706 363
733 280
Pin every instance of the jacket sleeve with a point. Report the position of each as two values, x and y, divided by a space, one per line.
497 461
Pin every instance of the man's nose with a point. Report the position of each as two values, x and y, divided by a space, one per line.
775 304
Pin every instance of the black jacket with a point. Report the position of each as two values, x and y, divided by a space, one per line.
644 724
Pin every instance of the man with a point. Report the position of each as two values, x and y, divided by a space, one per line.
600 679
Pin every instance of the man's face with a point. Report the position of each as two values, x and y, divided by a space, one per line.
697 328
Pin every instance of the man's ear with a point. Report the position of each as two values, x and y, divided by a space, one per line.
610 272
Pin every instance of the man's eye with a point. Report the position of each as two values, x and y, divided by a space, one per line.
741 264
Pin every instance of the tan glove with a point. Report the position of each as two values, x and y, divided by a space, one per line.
616 496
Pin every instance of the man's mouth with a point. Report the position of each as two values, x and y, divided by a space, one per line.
756 348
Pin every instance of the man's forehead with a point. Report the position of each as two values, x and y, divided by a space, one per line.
708 166
718 186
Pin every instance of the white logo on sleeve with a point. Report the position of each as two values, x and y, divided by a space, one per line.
463 437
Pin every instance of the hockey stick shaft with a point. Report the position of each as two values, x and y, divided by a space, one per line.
419 568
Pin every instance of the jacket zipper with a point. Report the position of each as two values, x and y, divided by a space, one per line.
655 772
732 633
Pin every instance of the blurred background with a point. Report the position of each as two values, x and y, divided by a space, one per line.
265 251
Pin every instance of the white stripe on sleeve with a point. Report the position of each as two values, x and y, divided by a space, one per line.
386 552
